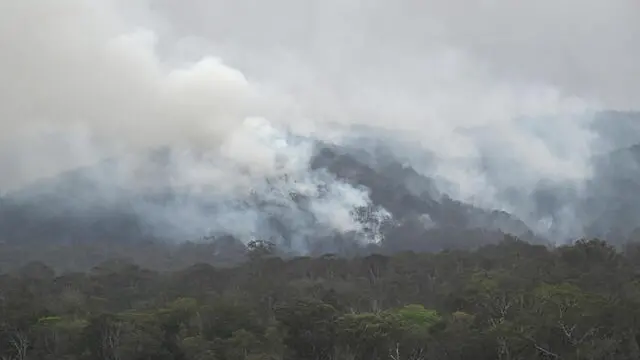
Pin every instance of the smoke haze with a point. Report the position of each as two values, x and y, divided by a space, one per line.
499 97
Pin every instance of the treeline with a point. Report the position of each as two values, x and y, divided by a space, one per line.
222 251
512 300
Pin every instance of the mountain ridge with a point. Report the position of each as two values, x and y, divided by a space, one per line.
84 205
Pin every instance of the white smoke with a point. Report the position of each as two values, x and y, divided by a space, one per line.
500 93
259 175
71 65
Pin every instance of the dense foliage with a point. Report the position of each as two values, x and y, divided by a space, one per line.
512 300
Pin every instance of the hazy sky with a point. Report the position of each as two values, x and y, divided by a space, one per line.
586 47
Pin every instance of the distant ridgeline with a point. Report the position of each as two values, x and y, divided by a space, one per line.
77 208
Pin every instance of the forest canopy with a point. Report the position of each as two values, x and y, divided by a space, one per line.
510 300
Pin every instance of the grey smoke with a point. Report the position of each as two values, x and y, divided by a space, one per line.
490 98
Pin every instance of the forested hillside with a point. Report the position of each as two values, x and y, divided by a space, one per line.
512 300
89 210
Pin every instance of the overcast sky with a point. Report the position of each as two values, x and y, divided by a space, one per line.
586 47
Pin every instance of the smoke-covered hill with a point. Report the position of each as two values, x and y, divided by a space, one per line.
320 198
320 125
338 198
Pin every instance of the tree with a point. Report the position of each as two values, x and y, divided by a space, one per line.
309 328
367 336
416 324
102 337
